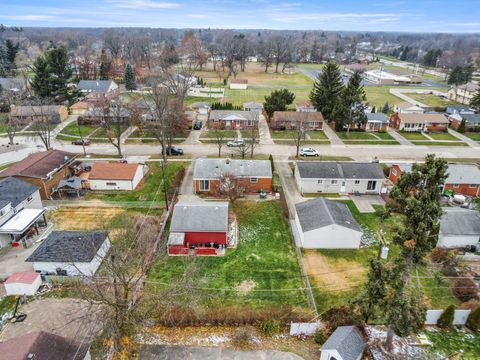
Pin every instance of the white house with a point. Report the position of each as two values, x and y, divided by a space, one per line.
332 177
459 228
202 108
407 108
327 224
116 176
346 343
238 84
71 252
23 283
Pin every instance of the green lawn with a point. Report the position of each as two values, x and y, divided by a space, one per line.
291 134
412 135
257 94
264 258
377 95
451 343
229 134
72 129
443 136
473 135
370 142
439 143
384 135
317 135
431 100
355 135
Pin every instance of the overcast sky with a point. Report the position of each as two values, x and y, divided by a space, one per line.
373 15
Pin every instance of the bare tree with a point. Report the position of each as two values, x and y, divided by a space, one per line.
243 149
9 99
265 52
231 187
44 119
282 51
254 134
157 105
219 136
176 121
113 42
299 134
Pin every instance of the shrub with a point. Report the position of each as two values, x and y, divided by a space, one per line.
469 305
243 336
270 327
337 316
446 319
320 337
439 255
465 289
473 320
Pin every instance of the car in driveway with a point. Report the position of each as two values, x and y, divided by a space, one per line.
236 143
174 150
197 125
309 152
85 142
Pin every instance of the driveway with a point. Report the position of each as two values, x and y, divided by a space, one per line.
264 131
364 202
187 192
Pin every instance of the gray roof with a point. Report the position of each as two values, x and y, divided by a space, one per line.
377 117
13 84
200 104
463 174
15 191
321 212
201 216
471 87
458 221
69 246
457 109
96 86
347 341
253 105
471 118
73 183
339 170
206 168
233 114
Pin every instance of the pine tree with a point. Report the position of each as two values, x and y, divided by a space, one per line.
386 107
350 108
446 319
374 109
129 78
473 320
278 100
461 127
105 66
40 83
327 90
475 102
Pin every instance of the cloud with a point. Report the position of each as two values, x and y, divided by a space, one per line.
30 17
298 17
144 4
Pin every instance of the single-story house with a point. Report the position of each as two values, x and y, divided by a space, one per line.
71 253
376 122
381 77
16 85
202 108
253 175
21 210
25 114
98 87
326 224
44 169
346 343
115 176
253 106
332 177
472 121
23 283
81 107
239 84
463 179
407 108
397 169
459 109
286 120
95 116
463 93
459 228
200 228
415 122
305 107
233 119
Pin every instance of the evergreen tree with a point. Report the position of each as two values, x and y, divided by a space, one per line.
129 78
386 107
404 53
278 100
374 109
350 108
460 74
475 102
327 90
446 319
473 320
105 66
40 83
431 57
11 51
461 127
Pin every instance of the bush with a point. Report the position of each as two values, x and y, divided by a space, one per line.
446 319
337 316
465 289
320 337
439 255
473 320
270 327
243 336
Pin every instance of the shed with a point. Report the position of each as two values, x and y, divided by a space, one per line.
23 283
115 176
239 84
346 343
459 228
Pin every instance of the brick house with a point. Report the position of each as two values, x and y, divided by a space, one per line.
286 120
97 89
25 114
472 121
375 122
397 169
412 122
233 119
253 175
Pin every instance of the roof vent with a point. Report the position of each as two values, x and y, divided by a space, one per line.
227 160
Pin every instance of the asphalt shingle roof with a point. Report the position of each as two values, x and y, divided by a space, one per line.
318 213
347 341
253 105
377 117
96 86
458 221
471 118
15 191
463 174
233 114
206 168
200 217
69 246
339 170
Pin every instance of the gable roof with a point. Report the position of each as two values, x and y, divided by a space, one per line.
39 165
25 277
414 118
377 117
347 341
206 168
96 86
201 105
473 119
297 116
458 221
321 212
407 106
470 87
233 115
15 191
37 110
458 109
253 105
339 170
113 171
13 84
463 174
69 246
200 217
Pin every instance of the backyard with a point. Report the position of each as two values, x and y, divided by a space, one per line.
452 343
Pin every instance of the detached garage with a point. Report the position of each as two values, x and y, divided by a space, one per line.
23 283
459 228
116 176
327 224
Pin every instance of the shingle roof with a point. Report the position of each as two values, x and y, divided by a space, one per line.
200 217
339 170
471 118
14 84
233 114
36 110
347 341
406 105
457 109
200 104
253 105
206 168
69 246
422 118
458 221
463 174
318 213
471 87
38 165
15 191
113 171
297 116
98 86
377 117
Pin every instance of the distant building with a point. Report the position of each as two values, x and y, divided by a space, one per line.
463 93
17 85
387 78
253 106
26 114
202 108
305 107
239 84
407 108
98 87
472 121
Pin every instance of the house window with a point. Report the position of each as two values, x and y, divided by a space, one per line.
253 180
111 184
394 172
204 185
371 185
319 181
472 186
456 185
334 182
357 182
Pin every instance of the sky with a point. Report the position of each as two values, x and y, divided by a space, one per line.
375 15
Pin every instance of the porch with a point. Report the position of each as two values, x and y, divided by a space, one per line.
23 228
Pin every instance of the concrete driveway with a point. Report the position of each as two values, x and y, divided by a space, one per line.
364 202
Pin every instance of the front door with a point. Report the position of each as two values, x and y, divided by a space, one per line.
228 123
343 188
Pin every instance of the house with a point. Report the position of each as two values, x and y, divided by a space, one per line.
459 228
44 169
25 114
21 211
116 176
98 88
458 109
23 283
253 106
376 122
95 116
305 107
414 122
202 108
71 253
41 345
326 224
332 177
238 84
233 119
253 175
201 228
472 121
16 85
397 169
407 108
463 93
346 343
463 179
286 120
80 108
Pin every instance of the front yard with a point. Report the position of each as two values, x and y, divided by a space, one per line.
431 100
473 135
291 134
443 136
412 135
72 129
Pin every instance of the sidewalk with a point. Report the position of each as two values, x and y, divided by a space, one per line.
332 136
398 137
464 138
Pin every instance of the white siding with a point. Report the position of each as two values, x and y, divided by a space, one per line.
331 237
238 86
138 177
309 185
23 289
452 241
327 354
111 184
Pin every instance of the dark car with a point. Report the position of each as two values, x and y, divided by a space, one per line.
197 125
85 142
174 151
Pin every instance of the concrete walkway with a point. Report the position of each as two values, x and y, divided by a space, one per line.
187 192
264 131
400 93
332 135
464 138
63 125
130 130
401 140
364 202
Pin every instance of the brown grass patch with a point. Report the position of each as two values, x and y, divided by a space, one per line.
245 287
84 218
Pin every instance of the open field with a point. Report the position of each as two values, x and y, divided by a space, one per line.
431 100
257 94
81 218
443 136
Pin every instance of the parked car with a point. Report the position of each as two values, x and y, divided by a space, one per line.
122 161
197 125
236 143
174 151
309 152
85 142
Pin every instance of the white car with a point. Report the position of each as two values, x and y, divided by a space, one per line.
309 152
236 143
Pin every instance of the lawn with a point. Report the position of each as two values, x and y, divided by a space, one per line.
72 129
259 272
6 166
431 100
229 134
412 135
355 135
384 135
291 134
317 135
257 94
439 143
443 136
378 95
370 142
473 135
451 343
